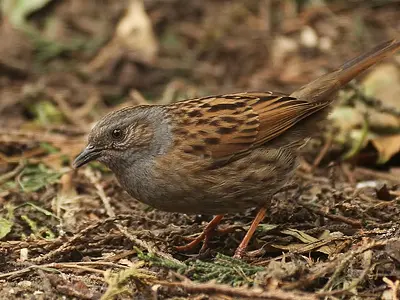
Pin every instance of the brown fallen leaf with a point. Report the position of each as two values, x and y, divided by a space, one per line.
309 243
387 146
134 35
383 82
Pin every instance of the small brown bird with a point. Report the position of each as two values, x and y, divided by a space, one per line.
218 154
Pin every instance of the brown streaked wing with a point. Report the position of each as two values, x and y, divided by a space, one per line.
226 127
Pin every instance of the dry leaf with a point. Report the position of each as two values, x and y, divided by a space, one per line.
387 146
383 82
307 240
134 34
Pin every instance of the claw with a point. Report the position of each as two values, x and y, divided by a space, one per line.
204 236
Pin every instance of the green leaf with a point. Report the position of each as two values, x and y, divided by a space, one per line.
32 224
306 239
302 236
50 149
19 10
46 113
35 177
40 209
5 227
267 227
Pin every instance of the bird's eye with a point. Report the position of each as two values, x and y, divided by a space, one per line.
116 134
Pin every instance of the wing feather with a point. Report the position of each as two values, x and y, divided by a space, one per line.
227 127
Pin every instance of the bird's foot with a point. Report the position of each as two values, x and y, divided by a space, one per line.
243 245
203 237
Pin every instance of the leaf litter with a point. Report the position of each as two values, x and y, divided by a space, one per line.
77 234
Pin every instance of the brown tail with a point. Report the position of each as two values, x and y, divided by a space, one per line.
323 88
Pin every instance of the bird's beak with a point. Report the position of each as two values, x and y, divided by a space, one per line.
88 154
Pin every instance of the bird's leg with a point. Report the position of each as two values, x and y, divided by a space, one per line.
243 245
205 235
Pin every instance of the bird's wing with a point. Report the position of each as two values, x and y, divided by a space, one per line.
227 127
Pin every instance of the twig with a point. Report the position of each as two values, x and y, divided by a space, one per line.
211 288
346 260
100 191
306 249
312 178
142 244
138 98
324 150
377 174
67 246
348 173
307 280
352 222
29 137
357 281
394 286
65 108
87 107
14 172
75 265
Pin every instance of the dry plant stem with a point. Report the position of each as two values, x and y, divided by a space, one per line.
138 98
243 245
377 174
144 245
349 174
346 260
82 266
70 245
17 158
65 108
310 177
13 173
88 106
205 235
310 279
218 289
394 286
206 288
120 256
352 222
30 137
358 280
306 249
322 153
100 191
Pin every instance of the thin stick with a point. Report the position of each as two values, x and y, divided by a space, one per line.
352 222
322 153
254 293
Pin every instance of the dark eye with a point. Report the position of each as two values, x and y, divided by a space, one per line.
116 134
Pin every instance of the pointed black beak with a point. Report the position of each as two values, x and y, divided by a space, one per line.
88 154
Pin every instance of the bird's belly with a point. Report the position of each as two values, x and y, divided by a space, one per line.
247 182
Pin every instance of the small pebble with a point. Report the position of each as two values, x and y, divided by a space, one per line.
25 283
325 44
308 37
365 184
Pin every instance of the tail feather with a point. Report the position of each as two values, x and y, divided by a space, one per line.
323 88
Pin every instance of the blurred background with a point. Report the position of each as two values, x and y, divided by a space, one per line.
64 64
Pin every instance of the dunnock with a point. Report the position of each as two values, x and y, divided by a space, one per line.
218 154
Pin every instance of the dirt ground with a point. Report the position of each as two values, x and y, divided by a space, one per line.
75 234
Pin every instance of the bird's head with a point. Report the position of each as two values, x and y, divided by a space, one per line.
123 137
